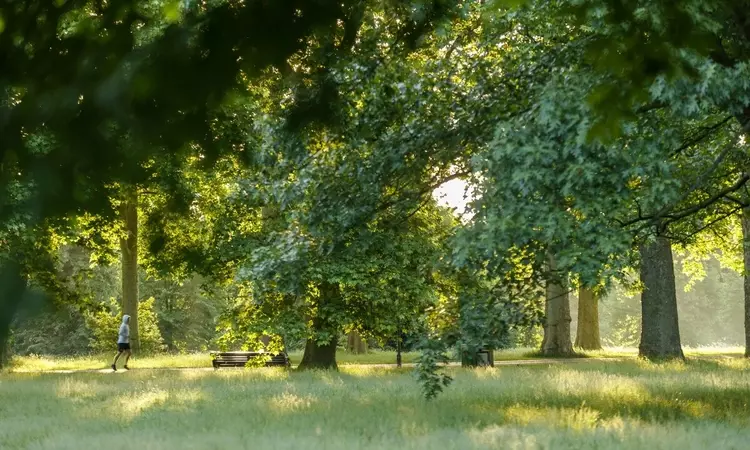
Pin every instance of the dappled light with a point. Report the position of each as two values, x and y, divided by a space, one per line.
288 402
511 407
128 406
574 418
368 225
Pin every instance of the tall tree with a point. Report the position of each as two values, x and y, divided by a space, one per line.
745 218
587 332
660 330
557 319
127 87
129 251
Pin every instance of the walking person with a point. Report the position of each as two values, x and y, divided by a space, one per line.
123 343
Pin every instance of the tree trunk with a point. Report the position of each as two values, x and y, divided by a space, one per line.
557 318
12 291
660 330
355 344
587 333
745 218
129 250
318 355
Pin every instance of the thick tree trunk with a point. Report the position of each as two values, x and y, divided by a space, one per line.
557 318
745 218
587 333
317 355
355 344
12 291
129 250
660 330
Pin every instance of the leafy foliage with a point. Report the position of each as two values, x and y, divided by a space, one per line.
105 323
430 378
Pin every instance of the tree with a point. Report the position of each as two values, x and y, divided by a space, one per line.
587 332
660 330
556 340
745 219
355 344
129 249
82 112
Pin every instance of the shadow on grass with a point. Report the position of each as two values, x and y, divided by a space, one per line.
389 399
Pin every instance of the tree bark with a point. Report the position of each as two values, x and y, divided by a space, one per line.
355 344
745 219
129 250
318 355
587 333
557 318
660 330
12 291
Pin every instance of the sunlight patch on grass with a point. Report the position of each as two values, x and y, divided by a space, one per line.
574 418
287 402
486 373
713 351
603 405
74 388
130 405
344 359
615 388
369 371
734 363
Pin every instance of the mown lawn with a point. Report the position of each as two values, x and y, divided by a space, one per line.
597 405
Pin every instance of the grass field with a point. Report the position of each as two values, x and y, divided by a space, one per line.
627 404
198 360
194 360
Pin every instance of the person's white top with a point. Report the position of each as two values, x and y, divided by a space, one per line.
123 337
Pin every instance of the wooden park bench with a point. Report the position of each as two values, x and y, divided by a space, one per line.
240 359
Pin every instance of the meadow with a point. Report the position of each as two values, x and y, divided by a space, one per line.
598 404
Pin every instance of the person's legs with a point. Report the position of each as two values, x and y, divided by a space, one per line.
128 352
114 363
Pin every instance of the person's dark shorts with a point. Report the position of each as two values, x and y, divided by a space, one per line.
123 347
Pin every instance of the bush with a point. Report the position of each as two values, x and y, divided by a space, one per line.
53 331
105 324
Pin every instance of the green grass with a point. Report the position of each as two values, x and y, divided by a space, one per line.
193 360
597 405
198 360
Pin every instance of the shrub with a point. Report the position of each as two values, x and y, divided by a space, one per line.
105 324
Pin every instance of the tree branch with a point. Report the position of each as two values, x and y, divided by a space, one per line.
721 218
672 218
739 184
707 131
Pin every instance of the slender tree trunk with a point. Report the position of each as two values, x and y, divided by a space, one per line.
12 291
318 355
557 318
587 333
660 330
129 250
355 344
168 327
745 218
